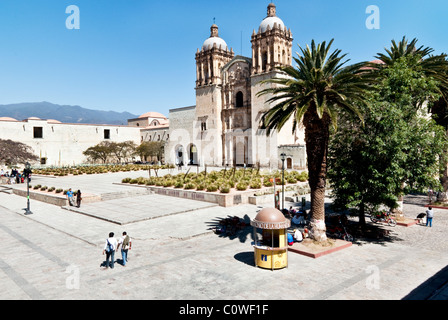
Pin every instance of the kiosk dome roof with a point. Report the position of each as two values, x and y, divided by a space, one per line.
270 218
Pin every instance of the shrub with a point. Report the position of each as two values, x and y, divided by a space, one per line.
292 180
179 184
141 180
189 185
212 187
267 183
225 188
126 180
51 189
303 176
200 186
59 190
241 186
168 183
151 182
255 184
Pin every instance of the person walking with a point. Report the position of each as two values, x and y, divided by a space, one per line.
109 249
70 197
78 198
429 216
126 244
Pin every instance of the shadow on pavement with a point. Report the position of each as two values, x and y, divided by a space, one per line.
232 227
246 257
430 287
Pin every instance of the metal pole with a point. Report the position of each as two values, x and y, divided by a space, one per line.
27 176
272 251
283 183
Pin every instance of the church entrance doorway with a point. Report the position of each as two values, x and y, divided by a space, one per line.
179 155
240 151
192 154
289 163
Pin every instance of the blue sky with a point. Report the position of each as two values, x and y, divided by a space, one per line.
138 55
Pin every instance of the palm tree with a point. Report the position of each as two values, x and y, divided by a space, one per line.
432 66
315 92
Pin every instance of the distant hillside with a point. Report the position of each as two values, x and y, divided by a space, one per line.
63 113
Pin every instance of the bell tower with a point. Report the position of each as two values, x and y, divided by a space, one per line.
272 44
210 60
213 55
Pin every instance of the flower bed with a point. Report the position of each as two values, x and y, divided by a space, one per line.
79 170
223 181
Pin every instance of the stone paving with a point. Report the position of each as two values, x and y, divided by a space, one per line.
56 253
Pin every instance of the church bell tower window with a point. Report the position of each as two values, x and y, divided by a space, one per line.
239 99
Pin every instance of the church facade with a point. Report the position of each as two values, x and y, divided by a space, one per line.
223 128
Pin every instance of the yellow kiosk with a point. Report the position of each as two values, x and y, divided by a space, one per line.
271 251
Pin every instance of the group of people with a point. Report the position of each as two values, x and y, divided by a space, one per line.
298 216
112 245
297 236
14 176
71 198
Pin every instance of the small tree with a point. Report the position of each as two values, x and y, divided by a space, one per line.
122 150
150 149
101 151
13 152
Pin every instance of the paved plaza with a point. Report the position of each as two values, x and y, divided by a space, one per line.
56 252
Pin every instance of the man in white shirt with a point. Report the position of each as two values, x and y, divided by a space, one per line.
109 248
298 235
126 244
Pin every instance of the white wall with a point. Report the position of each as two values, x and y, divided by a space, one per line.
62 143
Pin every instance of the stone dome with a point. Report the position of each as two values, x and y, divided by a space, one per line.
7 119
208 44
53 121
214 39
270 218
271 21
152 114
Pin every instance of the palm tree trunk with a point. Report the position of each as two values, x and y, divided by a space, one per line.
316 139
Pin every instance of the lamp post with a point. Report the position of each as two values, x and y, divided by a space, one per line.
27 173
283 157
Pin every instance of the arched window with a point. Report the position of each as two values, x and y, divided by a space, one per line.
239 100
264 61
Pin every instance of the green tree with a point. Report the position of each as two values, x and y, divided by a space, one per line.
101 151
150 149
397 148
375 164
122 150
314 93
426 82
439 111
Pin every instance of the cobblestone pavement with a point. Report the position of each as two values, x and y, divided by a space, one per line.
56 253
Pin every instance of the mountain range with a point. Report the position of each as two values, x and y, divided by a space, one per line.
64 113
